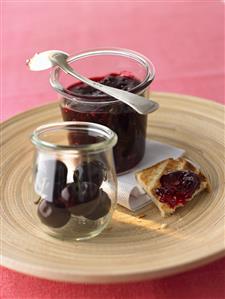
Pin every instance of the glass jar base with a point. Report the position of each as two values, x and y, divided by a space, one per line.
78 228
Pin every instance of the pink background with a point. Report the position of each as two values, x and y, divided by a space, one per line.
185 40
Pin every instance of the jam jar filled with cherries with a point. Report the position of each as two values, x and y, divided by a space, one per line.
75 182
119 68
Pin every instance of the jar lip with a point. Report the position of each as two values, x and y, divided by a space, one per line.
150 74
109 135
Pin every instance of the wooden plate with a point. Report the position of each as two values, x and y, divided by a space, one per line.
133 246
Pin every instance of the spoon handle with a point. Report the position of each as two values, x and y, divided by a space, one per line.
138 103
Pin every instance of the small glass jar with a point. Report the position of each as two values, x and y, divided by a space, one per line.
120 68
75 182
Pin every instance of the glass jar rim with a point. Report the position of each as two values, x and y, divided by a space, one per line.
150 74
109 135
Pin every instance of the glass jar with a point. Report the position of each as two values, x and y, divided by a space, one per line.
118 68
75 182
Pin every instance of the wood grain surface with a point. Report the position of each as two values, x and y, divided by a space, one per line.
134 246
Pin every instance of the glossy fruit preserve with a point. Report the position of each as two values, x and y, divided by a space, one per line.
177 187
94 107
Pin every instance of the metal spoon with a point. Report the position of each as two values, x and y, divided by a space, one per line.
48 59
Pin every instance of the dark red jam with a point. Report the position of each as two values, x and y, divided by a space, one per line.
177 187
122 81
127 123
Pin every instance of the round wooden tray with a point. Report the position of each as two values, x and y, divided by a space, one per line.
134 246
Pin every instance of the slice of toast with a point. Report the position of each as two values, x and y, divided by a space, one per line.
149 180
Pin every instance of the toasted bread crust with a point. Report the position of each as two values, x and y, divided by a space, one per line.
149 180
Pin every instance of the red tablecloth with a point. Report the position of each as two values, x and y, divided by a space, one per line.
185 40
